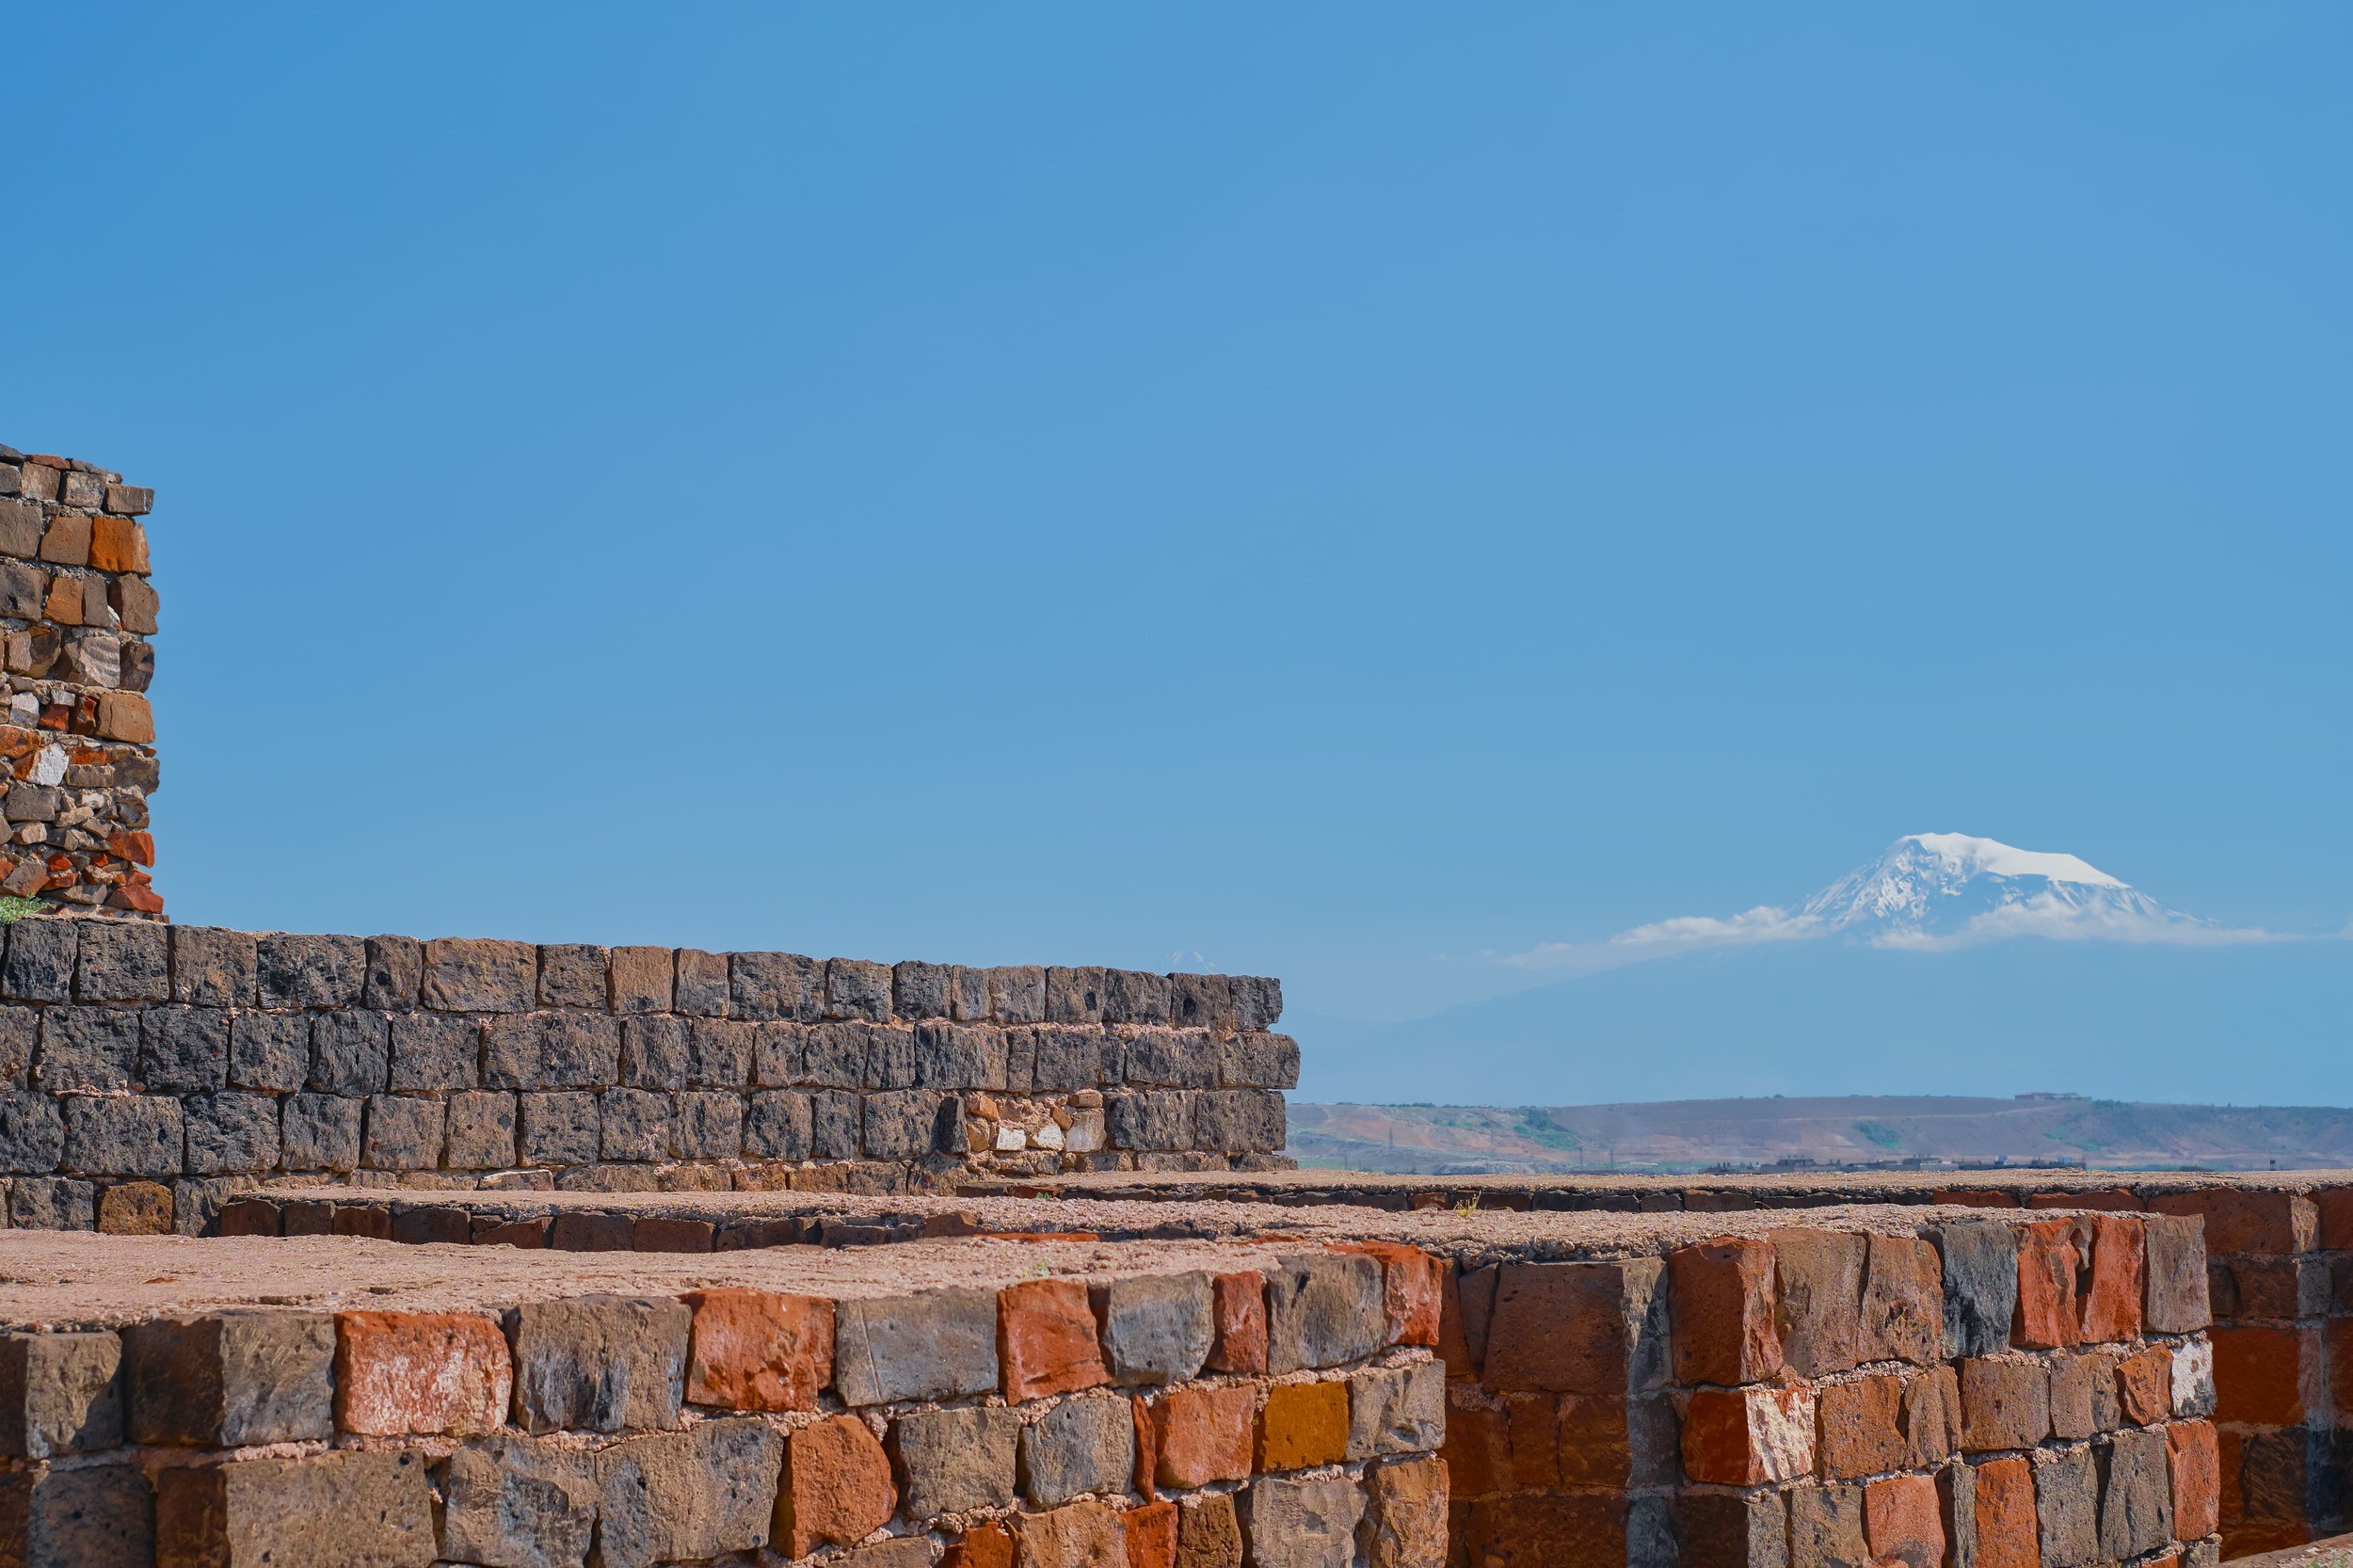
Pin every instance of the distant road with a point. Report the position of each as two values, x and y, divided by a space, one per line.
1695 1134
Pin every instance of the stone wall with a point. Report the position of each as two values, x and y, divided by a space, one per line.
140 1059
77 737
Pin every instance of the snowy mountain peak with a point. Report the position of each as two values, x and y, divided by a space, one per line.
1931 888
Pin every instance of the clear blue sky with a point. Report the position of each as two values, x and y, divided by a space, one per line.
1332 489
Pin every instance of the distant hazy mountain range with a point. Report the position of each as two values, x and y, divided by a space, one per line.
1695 1134
1948 963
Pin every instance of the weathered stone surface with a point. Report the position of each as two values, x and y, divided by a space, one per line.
1239 1121
776 985
44 1202
39 962
837 1488
350 1053
184 1049
560 1129
32 1133
1820 1281
59 1394
1045 1339
1083 1535
1155 1329
653 1053
2065 1483
342 1509
757 1350
1203 1435
778 1125
834 1055
707 1126
1302 1521
573 974
890 1057
100 1517
123 961
1980 1286
2135 1503
777 1050
1397 1410
320 1132
230 1134
687 1496
135 1208
1723 1295
1724 1530
579 1051
2176 1258
636 1124
1745 1436
955 1460
1322 1310
479 976
230 1379
1066 1060
435 1054
1302 1425
94 1049
2193 1380
640 979
19 1028
480 1133
1081 1445
700 983
311 971
517 1502
833 1117
903 1124
427 1373
136 1135
270 1051
959 1056
1902 1307
396 971
599 1363
403 1133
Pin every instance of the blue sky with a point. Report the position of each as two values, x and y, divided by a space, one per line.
1335 491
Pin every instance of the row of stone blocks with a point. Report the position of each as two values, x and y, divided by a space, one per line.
1283 1415
1994 1394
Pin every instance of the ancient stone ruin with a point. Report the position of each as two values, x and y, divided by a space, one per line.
345 1252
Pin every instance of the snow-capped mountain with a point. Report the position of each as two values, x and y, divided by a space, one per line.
1936 889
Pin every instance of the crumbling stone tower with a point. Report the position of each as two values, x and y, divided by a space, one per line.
77 737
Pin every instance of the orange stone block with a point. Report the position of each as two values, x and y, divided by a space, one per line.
1302 1425
2007 1534
1902 1522
835 1489
1723 1296
2047 1318
981 1546
2144 1385
1860 1424
117 544
2196 1471
1412 1289
1744 1437
419 1373
1238 1311
1151 1532
1204 1434
1045 1339
756 1350
2111 1305
135 1208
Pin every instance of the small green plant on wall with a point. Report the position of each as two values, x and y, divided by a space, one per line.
13 909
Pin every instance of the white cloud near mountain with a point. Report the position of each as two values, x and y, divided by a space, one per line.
1924 892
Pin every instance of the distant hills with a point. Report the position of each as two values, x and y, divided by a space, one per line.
1854 1130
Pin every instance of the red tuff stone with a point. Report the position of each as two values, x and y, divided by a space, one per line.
754 1350
1743 1436
2335 1208
1148 1462
981 1546
1561 1328
1861 1432
1723 1296
2259 1373
117 544
1412 1289
1478 1454
2144 1385
1534 1424
137 896
2339 1339
2111 1307
2047 1317
1045 1339
137 846
422 1373
1203 1435
1902 1522
837 1487
1237 1310
2196 1469
657 1233
1151 1532
2248 1220
2008 1536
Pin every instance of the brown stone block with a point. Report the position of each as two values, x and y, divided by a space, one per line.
135 1208
1561 1530
1412 1287
2005 1403
2248 1220
2196 1471
837 1488
132 599
1302 1425
640 979
2175 1257
1204 1434
230 1379
427 1373
981 1546
1578 1328
117 544
2144 1385
1902 1523
1723 1312
1046 1339
126 716
1480 1453
1818 1275
464 975
1238 1321
1209 1532
1083 1535
1150 1534
328 1510
1746 1437
1903 1302
2265 1375
1405 1515
1860 1424
756 1350
2007 1531
66 541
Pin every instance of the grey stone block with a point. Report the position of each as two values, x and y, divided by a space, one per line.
573 974
1156 1329
1156 1119
1201 1001
516 1502
706 1125
32 1133
86 1047
1256 1061
20 1032
344 1510
2135 1503
435 1052
312 971
1397 1410
230 1134
959 1056
1738 1530
653 1051
59 1394
481 1132
687 1496
404 1133
2176 1299
214 968
102 1516
230 1379
350 1053
1074 996
855 988
40 963
968 995
269 1050
835 1056
701 988
777 986
636 1124
1171 1058
51 1203
478 975
123 961
1239 1121
903 1124
561 1129
2065 1483
955 1460
833 1125
1017 994
1020 1060
1981 1262
1081 1445
580 1050
395 973
777 1126
1257 1005
776 1054
513 1049
1826 1526
184 1049
135 1136
919 990
599 1363
1132 997
890 1057
319 1132
197 1201
718 1053
1323 1311
1067 1060
939 1345
1302 1521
